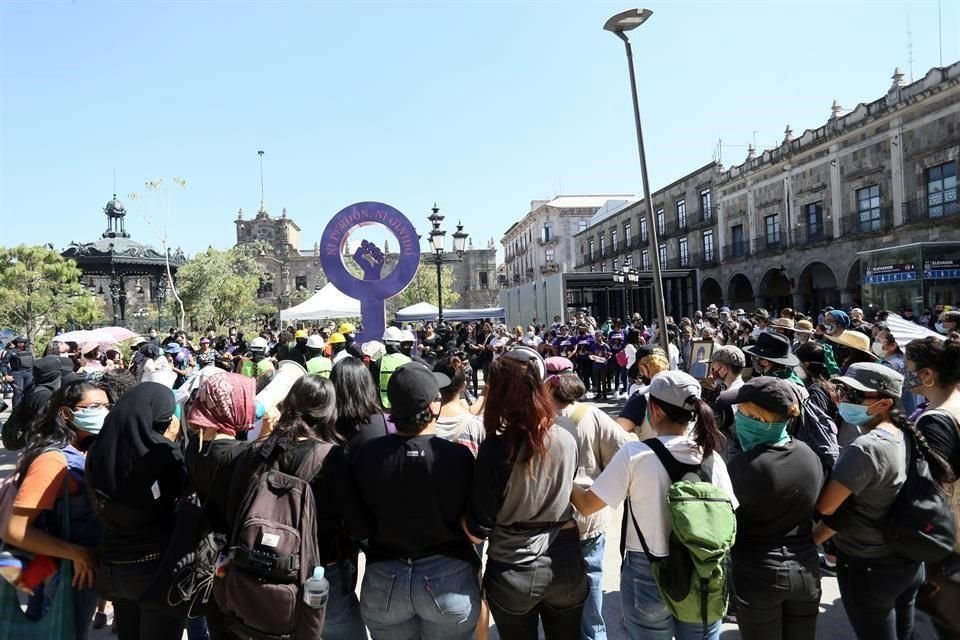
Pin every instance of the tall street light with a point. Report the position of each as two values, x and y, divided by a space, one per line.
437 237
619 25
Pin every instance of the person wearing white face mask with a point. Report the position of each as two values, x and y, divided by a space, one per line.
52 488
948 322
886 348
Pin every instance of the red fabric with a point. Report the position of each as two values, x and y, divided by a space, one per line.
226 402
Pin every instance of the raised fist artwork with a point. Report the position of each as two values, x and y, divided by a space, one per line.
370 259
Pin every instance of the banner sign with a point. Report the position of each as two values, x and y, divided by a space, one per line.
890 273
372 291
946 269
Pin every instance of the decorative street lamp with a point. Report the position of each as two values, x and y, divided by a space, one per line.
619 25
627 277
437 237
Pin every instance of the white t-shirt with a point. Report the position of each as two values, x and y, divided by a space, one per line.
674 357
636 470
736 384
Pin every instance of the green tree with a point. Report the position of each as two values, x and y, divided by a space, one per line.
423 288
40 289
219 287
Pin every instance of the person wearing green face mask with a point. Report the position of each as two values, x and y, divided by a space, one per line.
777 480
773 356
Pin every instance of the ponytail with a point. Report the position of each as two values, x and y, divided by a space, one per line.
705 431
706 435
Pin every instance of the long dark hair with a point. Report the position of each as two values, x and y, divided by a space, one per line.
52 431
453 368
943 356
939 468
518 407
705 432
309 411
356 395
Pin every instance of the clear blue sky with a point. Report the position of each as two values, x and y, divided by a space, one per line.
480 106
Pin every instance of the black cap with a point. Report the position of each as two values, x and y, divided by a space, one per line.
412 388
773 394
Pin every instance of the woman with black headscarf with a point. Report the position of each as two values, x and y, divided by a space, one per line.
136 473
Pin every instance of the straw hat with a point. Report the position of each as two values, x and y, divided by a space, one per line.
854 340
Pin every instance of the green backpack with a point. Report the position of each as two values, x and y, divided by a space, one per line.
692 580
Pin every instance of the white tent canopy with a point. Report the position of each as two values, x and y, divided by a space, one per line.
426 311
325 304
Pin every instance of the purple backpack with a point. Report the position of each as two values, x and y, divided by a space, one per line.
273 550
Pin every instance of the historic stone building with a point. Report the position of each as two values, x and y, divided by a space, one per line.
291 274
794 222
618 239
860 210
542 241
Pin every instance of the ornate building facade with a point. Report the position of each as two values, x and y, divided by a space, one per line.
291 273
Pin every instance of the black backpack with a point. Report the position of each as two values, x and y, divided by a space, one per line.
818 431
921 525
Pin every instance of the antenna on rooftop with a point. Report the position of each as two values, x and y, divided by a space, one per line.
260 153
909 48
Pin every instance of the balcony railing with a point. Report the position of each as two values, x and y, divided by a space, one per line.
543 242
807 235
737 250
549 267
770 244
675 264
704 260
867 222
703 218
935 206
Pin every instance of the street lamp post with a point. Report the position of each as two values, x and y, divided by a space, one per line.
625 278
619 25
437 237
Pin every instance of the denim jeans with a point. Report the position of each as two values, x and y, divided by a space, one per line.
551 589
645 615
879 595
434 598
343 621
592 626
777 592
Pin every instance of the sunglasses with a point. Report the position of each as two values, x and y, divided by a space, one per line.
854 395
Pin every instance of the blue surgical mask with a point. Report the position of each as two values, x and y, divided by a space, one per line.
855 414
89 419
940 328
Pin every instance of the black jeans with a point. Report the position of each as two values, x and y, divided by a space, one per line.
553 589
777 592
879 595
125 584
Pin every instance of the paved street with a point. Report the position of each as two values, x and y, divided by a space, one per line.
832 624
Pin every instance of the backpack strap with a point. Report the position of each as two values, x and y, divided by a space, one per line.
675 469
312 464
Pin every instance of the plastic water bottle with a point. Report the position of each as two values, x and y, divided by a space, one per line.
316 590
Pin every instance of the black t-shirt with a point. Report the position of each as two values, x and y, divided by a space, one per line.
405 495
374 427
778 487
331 538
941 434
210 469
635 408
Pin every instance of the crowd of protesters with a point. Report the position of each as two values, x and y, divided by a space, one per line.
469 467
